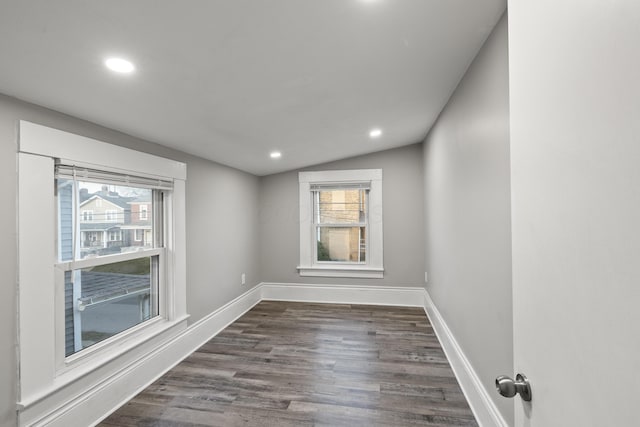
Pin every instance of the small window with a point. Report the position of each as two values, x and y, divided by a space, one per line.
87 216
115 236
144 212
340 221
339 236
139 235
111 215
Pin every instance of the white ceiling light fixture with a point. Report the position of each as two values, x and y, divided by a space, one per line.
275 154
120 65
375 133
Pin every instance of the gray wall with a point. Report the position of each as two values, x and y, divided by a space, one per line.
222 206
468 238
403 209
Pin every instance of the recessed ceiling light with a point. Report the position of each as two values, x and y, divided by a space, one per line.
119 65
375 133
275 154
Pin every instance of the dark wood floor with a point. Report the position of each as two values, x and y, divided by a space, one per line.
299 364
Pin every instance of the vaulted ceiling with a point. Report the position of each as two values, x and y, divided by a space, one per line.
234 80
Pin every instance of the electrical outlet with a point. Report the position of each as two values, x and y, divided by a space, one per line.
243 279
426 277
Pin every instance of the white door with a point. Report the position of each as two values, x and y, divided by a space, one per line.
575 147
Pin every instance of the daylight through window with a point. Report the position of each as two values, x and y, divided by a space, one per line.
341 223
109 255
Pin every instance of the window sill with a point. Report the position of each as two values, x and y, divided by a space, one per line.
361 272
123 341
147 338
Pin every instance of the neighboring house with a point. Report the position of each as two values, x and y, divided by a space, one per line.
108 223
102 216
138 230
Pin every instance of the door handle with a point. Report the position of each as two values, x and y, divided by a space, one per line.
507 387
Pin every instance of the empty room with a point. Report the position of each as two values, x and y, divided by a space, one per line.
319 213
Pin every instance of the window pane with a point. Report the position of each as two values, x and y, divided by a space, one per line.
105 300
340 206
110 219
341 244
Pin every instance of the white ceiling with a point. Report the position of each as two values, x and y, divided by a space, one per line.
233 80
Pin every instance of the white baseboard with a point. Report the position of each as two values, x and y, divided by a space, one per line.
94 405
485 411
97 403
342 294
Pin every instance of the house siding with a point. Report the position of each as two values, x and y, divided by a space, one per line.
65 219
69 331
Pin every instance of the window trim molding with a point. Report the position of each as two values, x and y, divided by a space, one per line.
145 211
373 268
54 143
43 383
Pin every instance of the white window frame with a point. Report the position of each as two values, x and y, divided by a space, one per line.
87 215
144 209
373 267
46 377
110 215
135 235
117 234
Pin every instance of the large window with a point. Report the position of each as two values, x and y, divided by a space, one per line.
92 299
111 283
341 223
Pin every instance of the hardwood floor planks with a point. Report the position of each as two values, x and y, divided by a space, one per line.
301 364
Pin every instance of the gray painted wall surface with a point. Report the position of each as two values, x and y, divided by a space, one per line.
8 267
468 237
403 208
222 206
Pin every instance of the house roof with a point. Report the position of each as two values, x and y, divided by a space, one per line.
119 201
145 198
99 226
100 287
